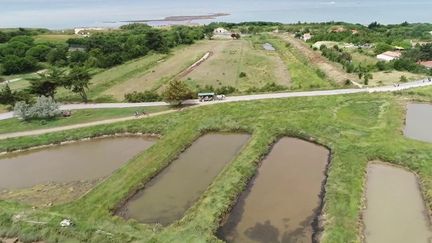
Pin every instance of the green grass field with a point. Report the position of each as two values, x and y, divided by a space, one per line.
155 76
356 128
230 58
78 116
105 80
54 38
303 75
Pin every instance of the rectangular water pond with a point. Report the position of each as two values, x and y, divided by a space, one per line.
395 210
282 201
84 160
418 122
167 196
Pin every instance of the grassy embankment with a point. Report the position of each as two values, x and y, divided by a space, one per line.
303 75
357 129
78 116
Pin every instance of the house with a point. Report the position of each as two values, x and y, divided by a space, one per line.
306 36
389 56
85 31
221 31
426 64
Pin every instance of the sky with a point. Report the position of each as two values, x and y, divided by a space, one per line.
74 13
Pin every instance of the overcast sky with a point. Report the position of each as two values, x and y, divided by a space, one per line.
74 13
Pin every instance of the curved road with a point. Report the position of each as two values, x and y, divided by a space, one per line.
3 116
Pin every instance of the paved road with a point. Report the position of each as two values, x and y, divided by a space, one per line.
392 88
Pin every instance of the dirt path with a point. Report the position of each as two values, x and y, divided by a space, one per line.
195 65
332 70
82 125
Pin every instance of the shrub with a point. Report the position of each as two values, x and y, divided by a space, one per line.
242 75
146 96
225 90
44 108
177 92
403 79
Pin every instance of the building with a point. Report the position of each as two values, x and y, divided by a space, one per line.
221 31
85 31
426 64
306 36
389 56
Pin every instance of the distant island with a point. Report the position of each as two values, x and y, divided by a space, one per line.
180 18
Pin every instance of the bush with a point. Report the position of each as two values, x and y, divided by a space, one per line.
146 96
44 108
242 75
403 79
14 64
225 90
269 87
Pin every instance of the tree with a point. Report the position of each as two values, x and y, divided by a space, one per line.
14 64
44 108
78 81
57 56
39 52
177 92
367 76
78 57
47 83
403 79
235 36
209 31
6 96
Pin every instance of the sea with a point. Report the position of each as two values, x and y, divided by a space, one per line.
61 14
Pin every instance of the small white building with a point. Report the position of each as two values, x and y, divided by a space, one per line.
85 31
221 31
306 36
389 56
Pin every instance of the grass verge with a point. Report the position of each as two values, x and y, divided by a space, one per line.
78 116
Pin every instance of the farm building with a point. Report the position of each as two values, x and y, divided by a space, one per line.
389 56
307 36
426 64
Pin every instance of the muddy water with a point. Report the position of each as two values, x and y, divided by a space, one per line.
280 203
395 210
87 160
418 121
165 198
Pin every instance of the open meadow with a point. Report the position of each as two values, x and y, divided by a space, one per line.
230 58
